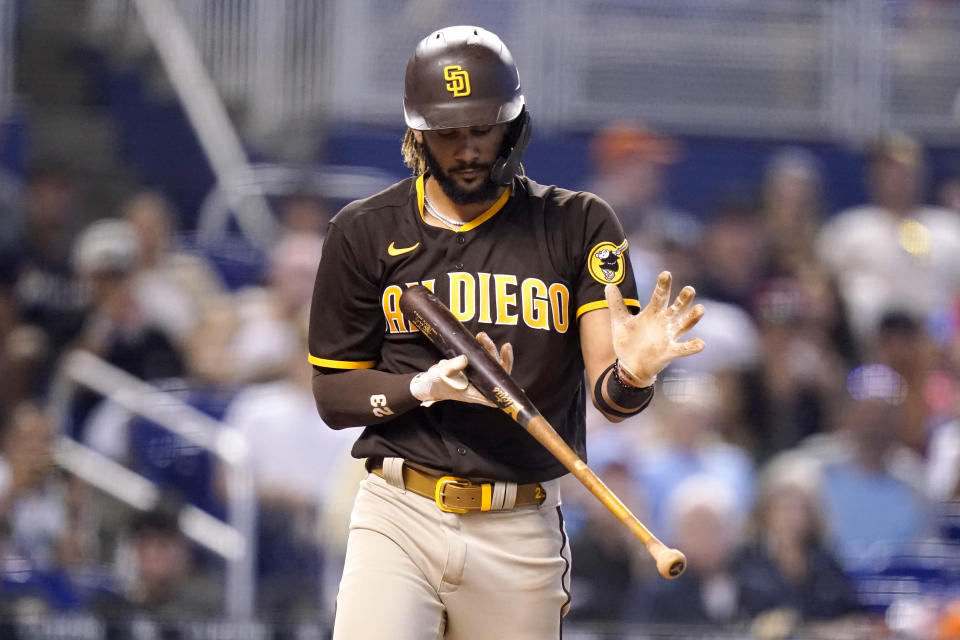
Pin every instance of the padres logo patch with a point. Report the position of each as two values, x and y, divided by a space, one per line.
458 80
606 263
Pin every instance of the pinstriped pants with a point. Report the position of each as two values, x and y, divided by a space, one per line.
414 572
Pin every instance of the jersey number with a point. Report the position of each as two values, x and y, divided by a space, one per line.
379 403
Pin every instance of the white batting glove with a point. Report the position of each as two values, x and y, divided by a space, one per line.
647 342
446 380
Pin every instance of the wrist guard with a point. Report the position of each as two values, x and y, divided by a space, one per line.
629 400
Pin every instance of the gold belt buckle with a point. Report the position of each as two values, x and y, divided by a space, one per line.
440 492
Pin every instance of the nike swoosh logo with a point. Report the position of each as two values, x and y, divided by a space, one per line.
392 250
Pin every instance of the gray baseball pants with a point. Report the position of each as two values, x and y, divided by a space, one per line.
414 572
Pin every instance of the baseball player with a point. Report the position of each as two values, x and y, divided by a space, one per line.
457 530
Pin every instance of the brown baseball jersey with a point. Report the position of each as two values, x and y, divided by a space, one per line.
523 271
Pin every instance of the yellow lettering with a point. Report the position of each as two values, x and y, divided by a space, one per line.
505 300
391 309
484 297
463 297
533 297
560 305
471 296
427 283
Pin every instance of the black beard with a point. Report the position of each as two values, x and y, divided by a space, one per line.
486 191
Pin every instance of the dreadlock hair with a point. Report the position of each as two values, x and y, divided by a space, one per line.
413 153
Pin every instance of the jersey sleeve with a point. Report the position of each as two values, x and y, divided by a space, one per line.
346 320
602 251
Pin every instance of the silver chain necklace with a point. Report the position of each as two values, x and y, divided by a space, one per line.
453 224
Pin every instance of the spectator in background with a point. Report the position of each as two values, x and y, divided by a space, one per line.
687 419
791 202
294 459
629 163
706 524
791 207
40 517
733 253
894 252
173 462
872 488
293 266
791 392
36 270
901 343
32 495
303 212
288 284
170 285
116 328
785 567
161 585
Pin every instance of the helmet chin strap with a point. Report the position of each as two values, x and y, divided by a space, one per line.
506 166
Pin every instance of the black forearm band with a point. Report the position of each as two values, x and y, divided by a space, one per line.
361 396
632 399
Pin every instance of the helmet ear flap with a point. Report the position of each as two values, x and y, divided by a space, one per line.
518 137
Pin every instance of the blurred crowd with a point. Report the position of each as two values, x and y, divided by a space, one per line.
807 462
125 290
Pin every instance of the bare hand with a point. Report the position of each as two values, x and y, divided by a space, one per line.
504 357
646 343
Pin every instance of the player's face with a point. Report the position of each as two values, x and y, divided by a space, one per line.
460 161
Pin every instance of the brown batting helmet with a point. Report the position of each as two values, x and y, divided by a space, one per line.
461 77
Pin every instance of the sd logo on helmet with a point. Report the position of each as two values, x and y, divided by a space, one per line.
465 77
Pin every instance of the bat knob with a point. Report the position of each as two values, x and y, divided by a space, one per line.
671 563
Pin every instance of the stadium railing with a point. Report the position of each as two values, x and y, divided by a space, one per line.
234 541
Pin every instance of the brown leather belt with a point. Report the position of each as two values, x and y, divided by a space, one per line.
461 495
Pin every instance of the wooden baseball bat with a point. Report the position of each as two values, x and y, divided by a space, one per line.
421 307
